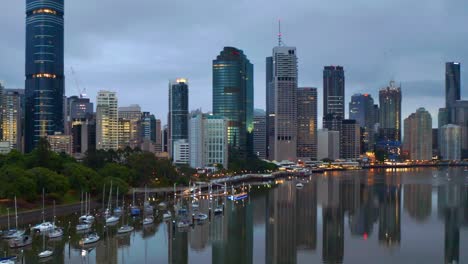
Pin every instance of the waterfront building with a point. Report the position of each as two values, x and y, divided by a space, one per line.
283 128
12 117
270 108
452 87
363 110
260 133
350 140
435 142
177 121
150 133
208 141
60 143
181 153
83 132
132 115
390 113
460 118
334 91
307 123
107 121
165 139
44 86
450 142
418 135
233 96
328 144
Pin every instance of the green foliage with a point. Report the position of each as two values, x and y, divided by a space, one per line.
82 177
50 181
117 171
16 182
250 163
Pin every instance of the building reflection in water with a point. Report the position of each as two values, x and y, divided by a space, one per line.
306 217
107 249
452 208
418 201
389 197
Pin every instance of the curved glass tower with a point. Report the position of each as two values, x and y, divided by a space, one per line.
44 70
233 96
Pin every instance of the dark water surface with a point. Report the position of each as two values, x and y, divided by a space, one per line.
393 216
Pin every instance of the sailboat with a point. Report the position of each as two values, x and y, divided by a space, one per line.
45 252
57 231
117 209
89 239
13 233
126 228
44 226
110 219
134 210
87 217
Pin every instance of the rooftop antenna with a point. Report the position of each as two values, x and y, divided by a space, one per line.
280 41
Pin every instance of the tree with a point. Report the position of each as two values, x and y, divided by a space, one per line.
81 177
145 166
16 182
117 171
49 180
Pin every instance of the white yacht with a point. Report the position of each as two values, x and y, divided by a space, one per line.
89 239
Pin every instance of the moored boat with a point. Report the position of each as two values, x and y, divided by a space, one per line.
89 239
21 241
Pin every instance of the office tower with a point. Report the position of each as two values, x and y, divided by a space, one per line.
44 70
260 133
12 118
333 91
178 112
328 144
125 132
2 103
418 135
460 117
60 143
452 86
150 133
132 114
390 113
350 140
181 152
435 142
165 138
443 117
283 140
77 108
450 142
233 96
208 141
107 121
270 107
363 110
307 123
83 132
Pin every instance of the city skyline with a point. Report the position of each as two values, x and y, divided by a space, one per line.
148 87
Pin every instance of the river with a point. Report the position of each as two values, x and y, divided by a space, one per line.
369 216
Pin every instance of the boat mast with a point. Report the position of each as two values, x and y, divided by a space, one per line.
110 199
86 204
43 206
16 216
103 197
8 215
117 198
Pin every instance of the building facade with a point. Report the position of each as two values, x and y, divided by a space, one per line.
233 96
132 115
334 91
390 113
178 112
362 109
60 143
107 121
450 144
452 87
418 135
44 85
83 132
328 144
12 118
307 123
260 134
283 143
350 139
181 152
208 141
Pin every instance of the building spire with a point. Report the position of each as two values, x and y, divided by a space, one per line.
280 41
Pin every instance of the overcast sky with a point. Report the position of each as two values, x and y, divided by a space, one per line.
134 47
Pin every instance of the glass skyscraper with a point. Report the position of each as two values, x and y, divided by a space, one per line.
44 70
390 113
333 90
307 123
233 96
452 86
362 109
178 112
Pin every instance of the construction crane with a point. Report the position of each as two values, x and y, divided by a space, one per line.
81 92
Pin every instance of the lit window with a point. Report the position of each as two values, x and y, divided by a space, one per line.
45 11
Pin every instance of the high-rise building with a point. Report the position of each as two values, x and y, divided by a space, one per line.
307 123
452 86
460 117
260 133
132 114
362 109
44 70
181 152
150 132
165 138
77 109
390 113
450 144
418 135
83 132
283 141
11 118
107 121
328 144
60 143
435 142
270 107
178 112
208 141
125 133
2 103
334 91
233 96
350 139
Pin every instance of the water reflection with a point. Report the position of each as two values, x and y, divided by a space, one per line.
419 216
